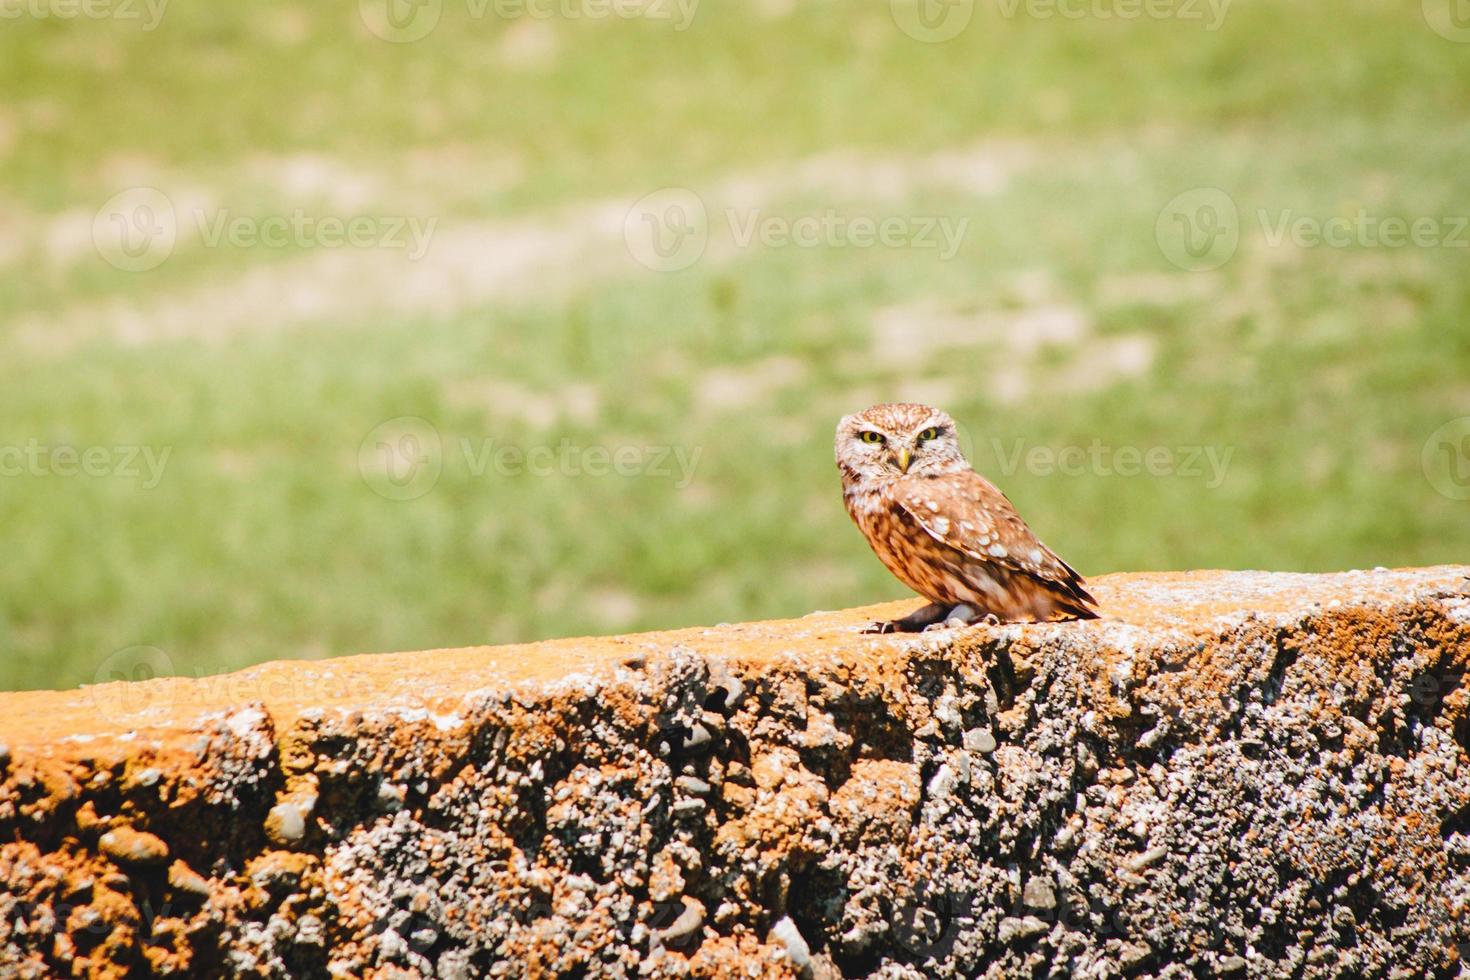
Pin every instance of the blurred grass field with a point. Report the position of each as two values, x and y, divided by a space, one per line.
270 374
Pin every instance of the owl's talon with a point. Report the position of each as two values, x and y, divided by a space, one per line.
915 622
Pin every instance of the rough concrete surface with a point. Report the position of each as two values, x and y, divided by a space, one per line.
1230 774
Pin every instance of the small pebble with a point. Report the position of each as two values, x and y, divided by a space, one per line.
734 689
186 879
698 737
980 740
942 782
1039 894
1148 858
688 921
1133 954
134 848
286 823
1014 930
785 933
693 784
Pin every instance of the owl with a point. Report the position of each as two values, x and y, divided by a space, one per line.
944 530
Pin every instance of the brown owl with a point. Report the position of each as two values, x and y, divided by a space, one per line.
945 530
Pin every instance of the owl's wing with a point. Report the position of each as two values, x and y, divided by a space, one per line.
969 514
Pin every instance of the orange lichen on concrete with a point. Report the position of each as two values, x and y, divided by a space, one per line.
777 799
1187 602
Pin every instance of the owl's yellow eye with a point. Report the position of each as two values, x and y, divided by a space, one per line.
929 433
868 435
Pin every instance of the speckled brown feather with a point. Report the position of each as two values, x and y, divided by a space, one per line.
969 514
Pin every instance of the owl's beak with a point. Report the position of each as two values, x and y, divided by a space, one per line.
904 458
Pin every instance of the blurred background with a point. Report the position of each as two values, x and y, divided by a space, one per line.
334 328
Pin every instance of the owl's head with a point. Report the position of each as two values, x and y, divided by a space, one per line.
890 441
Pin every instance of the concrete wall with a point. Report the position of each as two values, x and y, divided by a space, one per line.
1231 774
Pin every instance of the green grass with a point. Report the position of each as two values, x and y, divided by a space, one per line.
1321 371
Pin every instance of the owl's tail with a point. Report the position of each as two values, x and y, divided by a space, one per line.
1071 600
